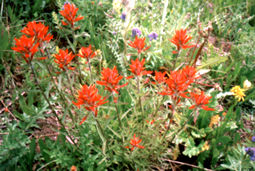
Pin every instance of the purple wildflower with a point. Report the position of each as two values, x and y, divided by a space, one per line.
152 36
253 139
67 2
251 152
136 32
123 16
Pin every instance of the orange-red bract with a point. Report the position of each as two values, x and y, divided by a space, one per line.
179 81
139 44
201 100
38 31
69 13
63 58
110 79
86 52
180 39
135 143
27 47
137 68
88 97
160 77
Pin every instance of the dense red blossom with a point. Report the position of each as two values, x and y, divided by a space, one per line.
38 31
160 77
201 100
137 68
69 13
27 47
88 97
86 52
63 58
139 44
180 39
135 143
110 79
190 73
179 81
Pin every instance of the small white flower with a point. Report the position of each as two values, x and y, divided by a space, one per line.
246 84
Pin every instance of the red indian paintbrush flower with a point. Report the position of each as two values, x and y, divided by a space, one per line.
179 81
88 97
190 73
135 143
160 77
139 44
201 100
38 31
63 58
176 85
69 13
86 52
110 79
137 68
180 39
27 47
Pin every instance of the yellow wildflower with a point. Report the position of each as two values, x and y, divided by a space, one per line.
214 120
238 92
205 147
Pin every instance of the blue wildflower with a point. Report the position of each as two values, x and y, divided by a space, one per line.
136 32
253 139
123 16
251 152
152 36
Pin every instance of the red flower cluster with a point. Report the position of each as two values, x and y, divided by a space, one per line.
160 77
69 13
27 47
135 143
86 52
201 100
180 39
28 44
64 58
110 79
137 68
179 81
38 31
139 44
89 97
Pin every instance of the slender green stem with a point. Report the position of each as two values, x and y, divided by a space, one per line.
138 89
101 134
70 82
56 87
47 100
118 115
175 59
90 71
74 50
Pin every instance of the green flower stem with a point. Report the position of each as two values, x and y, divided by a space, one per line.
74 50
47 100
90 71
117 111
101 134
175 59
138 90
69 82
59 92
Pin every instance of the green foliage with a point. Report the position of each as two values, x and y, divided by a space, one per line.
165 126
17 150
